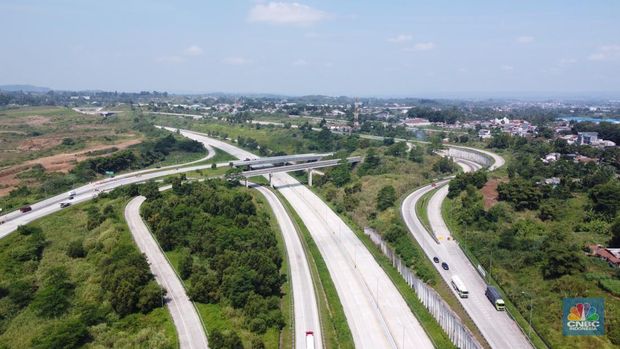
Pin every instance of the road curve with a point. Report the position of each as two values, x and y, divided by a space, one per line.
498 328
304 297
186 320
376 312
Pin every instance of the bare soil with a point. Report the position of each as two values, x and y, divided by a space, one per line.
489 193
55 163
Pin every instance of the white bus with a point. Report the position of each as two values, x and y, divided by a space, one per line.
459 286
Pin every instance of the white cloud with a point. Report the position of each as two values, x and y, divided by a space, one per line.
236 61
606 53
170 59
400 38
286 13
567 61
507 67
193 50
525 39
421 46
300 62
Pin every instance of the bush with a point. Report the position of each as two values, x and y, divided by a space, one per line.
76 249
386 197
54 297
66 334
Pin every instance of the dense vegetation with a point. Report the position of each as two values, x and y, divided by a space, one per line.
228 253
76 278
534 240
144 155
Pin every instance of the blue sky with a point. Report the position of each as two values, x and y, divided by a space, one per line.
344 47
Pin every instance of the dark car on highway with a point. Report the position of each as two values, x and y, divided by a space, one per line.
65 204
444 265
25 209
436 259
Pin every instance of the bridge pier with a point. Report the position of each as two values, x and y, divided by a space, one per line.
310 177
270 179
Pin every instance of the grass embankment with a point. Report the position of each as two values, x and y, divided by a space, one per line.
421 210
23 267
335 329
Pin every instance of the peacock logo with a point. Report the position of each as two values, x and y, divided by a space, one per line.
584 316
582 312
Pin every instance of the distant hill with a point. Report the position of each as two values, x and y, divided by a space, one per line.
24 88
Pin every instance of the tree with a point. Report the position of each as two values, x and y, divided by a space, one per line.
233 176
416 154
150 297
562 258
386 197
150 190
615 233
605 197
444 165
76 249
500 141
397 149
186 264
67 334
53 299
521 193
341 174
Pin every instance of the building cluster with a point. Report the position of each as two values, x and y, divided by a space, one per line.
588 138
515 127
610 255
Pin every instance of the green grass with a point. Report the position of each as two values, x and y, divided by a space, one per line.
154 329
335 329
421 210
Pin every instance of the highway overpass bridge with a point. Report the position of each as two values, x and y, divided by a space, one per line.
284 159
308 166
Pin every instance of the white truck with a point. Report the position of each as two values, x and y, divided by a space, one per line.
459 286
309 340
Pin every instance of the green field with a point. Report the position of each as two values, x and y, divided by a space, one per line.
21 322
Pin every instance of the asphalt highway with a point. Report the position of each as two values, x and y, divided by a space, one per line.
497 327
376 313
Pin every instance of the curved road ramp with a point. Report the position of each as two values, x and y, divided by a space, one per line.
186 320
498 328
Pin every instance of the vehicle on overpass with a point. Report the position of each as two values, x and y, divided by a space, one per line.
459 286
495 298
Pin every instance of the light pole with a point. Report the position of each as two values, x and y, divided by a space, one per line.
529 330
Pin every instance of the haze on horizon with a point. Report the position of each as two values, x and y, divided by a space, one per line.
365 48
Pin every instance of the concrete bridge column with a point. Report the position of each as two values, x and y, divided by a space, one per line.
310 177
270 179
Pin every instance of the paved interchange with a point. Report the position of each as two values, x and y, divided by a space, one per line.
497 327
376 313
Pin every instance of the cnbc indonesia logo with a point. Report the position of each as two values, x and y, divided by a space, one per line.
583 317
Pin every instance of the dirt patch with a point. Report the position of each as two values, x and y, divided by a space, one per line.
55 163
34 144
489 193
32 120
